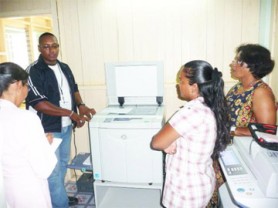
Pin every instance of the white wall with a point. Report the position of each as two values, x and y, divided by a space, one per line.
274 49
175 31
92 32
99 31
16 8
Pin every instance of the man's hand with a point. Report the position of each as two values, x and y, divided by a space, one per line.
86 112
79 120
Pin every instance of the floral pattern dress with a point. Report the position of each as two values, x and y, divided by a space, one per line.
240 104
240 114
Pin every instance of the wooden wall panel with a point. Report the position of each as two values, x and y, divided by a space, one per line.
100 31
171 31
92 50
215 34
250 23
93 32
124 20
194 30
274 44
69 36
16 8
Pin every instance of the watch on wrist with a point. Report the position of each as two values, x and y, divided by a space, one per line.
79 104
232 131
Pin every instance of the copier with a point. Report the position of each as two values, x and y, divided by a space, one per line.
124 165
251 173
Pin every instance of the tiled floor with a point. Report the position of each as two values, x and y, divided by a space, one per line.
86 199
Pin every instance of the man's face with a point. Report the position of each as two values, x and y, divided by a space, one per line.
49 49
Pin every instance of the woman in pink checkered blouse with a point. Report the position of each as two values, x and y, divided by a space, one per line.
193 137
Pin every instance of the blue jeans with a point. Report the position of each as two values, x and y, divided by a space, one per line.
56 180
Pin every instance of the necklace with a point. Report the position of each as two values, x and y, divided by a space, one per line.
252 83
59 76
241 89
61 85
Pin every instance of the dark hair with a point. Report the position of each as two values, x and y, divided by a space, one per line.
10 73
257 58
44 35
211 88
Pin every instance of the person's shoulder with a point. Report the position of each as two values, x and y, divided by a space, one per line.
63 65
263 87
32 66
235 86
195 104
28 115
263 90
37 66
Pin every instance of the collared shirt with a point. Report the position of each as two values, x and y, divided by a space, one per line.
27 157
190 177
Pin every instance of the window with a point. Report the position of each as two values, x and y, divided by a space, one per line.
19 42
16 45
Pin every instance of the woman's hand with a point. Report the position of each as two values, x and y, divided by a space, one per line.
172 149
49 137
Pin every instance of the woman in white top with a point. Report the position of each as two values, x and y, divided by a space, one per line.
2 197
26 155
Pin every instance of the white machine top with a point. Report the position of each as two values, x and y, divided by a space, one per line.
262 162
251 173
129 116
134 83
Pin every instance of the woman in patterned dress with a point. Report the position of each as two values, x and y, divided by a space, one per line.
193 137
251 99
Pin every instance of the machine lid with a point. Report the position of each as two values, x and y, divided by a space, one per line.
134 83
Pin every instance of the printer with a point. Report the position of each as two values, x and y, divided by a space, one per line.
121 133
125 168
251 173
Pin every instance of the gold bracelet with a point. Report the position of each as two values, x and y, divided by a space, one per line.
233 131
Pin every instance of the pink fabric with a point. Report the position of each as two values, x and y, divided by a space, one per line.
27 158
190 178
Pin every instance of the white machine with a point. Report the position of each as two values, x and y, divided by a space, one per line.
251 175
125 168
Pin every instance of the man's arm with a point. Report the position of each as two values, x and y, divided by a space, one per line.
53 110
84 111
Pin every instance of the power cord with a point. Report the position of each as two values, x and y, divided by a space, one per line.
250 146
75 151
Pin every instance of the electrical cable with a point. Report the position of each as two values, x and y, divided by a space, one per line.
250 146
75 152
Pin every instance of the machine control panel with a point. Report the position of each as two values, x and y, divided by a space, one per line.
231 163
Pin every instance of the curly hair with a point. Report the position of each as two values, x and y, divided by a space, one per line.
257 58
